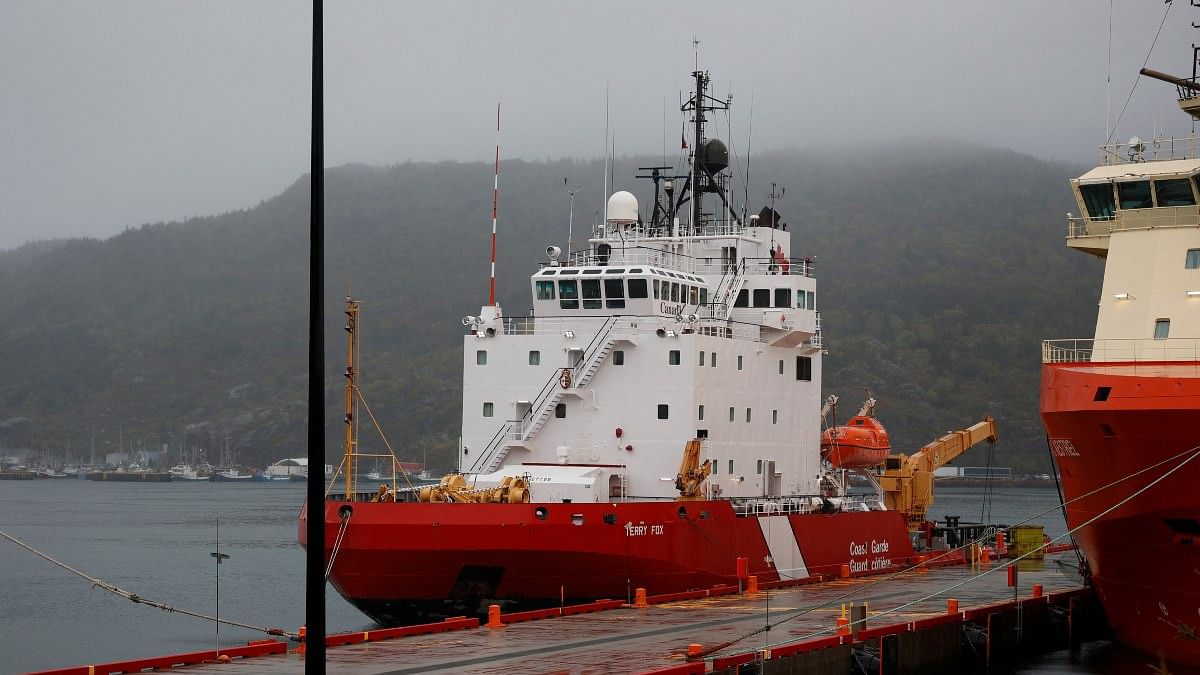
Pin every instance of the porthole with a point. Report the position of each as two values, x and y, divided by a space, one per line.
541 513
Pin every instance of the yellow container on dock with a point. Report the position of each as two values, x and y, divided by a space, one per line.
1026 538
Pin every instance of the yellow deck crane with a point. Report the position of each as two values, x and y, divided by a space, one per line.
692 473
907 480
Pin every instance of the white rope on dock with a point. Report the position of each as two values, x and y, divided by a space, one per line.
135 598
1195 452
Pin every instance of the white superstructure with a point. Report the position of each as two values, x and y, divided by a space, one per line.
658 332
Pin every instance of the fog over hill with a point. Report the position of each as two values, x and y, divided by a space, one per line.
940 267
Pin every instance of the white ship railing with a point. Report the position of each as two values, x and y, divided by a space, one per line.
1120 350
1113 154
631 325
1136 219
678 262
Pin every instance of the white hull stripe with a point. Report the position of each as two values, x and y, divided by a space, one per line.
781 542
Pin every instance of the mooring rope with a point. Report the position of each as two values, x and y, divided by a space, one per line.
135 598
337 544
1195 453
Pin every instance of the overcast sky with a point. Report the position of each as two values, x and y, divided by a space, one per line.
124 112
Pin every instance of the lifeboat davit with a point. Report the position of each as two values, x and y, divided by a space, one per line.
860 443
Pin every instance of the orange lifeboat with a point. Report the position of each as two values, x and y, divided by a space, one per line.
860 443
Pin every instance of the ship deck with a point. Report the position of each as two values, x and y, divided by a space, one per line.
633 640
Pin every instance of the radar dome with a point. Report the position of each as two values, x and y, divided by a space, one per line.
622 208
715 155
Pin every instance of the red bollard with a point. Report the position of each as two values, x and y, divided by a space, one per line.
639 598
952 606
494 617
1037 590
843 626
845 571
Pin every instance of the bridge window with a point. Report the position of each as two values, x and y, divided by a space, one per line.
488 408
663 411
812 299
703 295
674 292
762 297
614 293
1134 194
1162 328
693 296
637 288
1177 192
481 357
591 293
535 358
783 297
545 290
656 289
800 303
1193 259
1098 200
804 368
568 293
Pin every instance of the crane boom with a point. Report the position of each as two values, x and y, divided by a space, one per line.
907 480
692 473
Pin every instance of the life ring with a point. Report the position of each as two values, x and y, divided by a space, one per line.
565 378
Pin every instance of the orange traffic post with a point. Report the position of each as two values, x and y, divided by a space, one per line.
752 583
494 617
1037 590
639 598
845 571
694 649
952 606
1001 549
843 626
300 649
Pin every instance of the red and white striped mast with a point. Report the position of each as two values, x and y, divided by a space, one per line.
495 201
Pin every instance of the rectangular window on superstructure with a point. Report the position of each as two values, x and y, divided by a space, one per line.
812 299
780 366
1098 200
488 408
743 298
758 468
1162 328
656 296
700 412
1134 194
739 361
713 361
663 411
1174 192
545 290
731 467
618 357
1192 261
701 357
804 368
673 357
560 411
568 294
783 297
614 293
674 291
747 415
535 358
716 466
800 303
481 357
591 293
693 295
731 413
637 289
774 417
703 296
762 297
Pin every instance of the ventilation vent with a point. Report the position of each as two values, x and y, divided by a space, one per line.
1107 431
1102 393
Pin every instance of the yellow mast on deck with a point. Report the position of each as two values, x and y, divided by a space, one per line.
349 437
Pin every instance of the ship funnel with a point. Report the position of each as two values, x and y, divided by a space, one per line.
622 208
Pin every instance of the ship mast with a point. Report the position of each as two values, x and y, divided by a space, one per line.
349 437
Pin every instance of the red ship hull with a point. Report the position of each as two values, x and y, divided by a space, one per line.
406 562
1144 556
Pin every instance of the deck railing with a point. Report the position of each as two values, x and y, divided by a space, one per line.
1134 219
1113 154
1120 350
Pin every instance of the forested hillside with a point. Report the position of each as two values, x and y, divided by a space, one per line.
940 269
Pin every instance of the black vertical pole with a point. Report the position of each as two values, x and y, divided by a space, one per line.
314 584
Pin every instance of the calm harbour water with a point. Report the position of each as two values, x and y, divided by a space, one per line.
156 539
